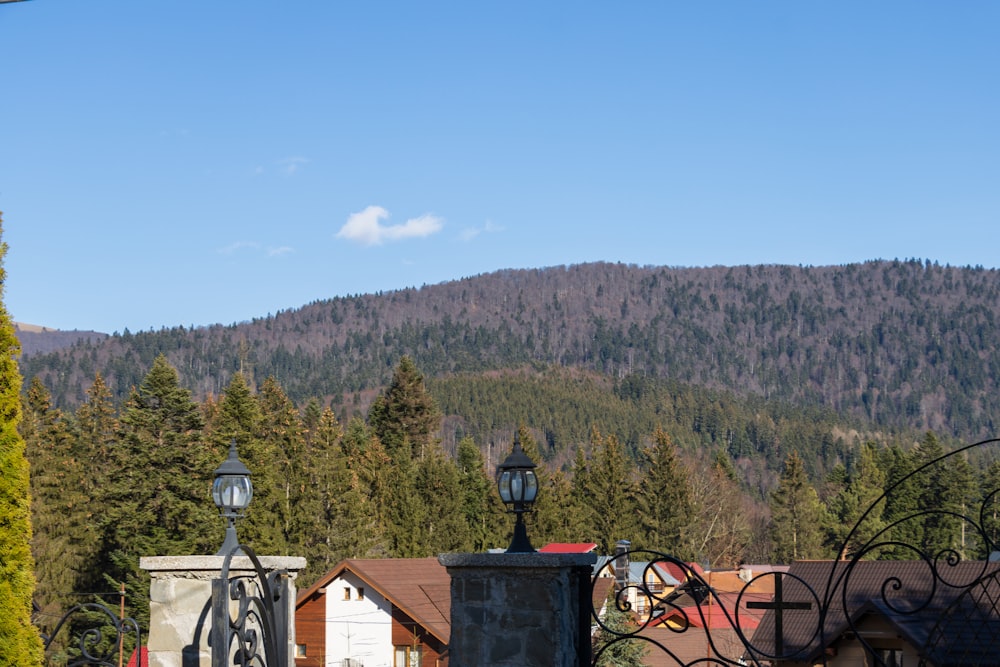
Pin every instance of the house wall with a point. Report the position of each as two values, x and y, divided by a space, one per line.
357 628
406 632
310 630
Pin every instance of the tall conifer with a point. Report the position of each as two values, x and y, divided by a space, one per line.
664 498
19 639
797 514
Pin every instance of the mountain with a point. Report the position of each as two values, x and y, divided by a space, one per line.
896 344
36 339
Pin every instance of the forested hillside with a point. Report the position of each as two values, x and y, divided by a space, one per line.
898 344
701 474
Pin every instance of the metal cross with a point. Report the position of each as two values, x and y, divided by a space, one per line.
779 605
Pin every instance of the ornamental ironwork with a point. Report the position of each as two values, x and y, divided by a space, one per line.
932 606
250 615
97 637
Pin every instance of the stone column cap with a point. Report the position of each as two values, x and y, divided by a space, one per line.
214 563
517 560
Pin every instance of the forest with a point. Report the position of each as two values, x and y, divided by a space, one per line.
892 344
702 475
721 415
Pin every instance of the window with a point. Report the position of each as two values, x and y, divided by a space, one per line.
361 593
407 656
890 657
347 592
300 651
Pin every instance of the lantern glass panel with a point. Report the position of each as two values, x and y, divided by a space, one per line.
232 492
517 486
504 486
530 486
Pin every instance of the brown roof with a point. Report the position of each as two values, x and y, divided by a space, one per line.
691 646
950 615
420 587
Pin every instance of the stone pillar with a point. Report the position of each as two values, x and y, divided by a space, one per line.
180 604
519 610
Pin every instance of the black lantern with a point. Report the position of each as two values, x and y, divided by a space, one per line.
232 492
518 487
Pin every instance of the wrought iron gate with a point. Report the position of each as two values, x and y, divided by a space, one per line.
257 633
935 609
97 637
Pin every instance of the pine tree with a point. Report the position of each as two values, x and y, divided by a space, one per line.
608 486
626 653
946 485
240 418
284 436
63 543
796 515
481 508
902 504
367 459
664 499
406 414
439 485
158 500
990 493
549 511
19 640
854 520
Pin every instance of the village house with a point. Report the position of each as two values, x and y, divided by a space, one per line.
894 613
392 612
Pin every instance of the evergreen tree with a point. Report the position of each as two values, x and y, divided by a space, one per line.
482 510
240 418
367 459
63 542
946 485
19 640
284 435
608 486
627 653
158 500
797 515
566 520
990 493
405 511
406 414
902 503
439 485
551 509
664 499
854 520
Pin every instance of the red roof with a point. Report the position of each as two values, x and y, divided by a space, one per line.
568 548
680 573
133 661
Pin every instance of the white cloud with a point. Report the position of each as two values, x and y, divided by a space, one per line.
367 228
253 246
470 233
290 165
238 245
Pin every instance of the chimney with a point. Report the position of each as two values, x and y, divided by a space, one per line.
621 564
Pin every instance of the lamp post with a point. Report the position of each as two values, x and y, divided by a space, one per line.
232 492
518 487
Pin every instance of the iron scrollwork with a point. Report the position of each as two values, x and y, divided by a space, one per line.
946 608
98 636
256 634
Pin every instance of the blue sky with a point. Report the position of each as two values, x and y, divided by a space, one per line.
187 163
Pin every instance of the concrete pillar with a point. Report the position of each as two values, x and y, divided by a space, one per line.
180 604
519 610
